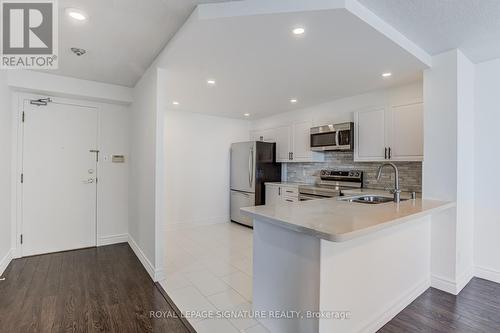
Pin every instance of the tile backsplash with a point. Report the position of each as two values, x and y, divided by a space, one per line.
410 173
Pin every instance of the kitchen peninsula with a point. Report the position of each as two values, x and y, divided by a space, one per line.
351 264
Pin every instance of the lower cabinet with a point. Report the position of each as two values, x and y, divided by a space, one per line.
272 194
277 193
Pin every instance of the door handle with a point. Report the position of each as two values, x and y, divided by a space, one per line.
390 153
250 168
385 154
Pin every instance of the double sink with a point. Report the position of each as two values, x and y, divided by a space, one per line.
369 199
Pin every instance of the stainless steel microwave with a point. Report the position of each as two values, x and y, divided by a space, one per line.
337 137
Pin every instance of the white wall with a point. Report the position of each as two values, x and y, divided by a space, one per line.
113 139
487 159
447 167
197 150
439 179
465 167
142 175
44 83
340 110
112 206
5 175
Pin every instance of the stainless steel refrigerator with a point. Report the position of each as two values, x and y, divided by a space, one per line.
252 164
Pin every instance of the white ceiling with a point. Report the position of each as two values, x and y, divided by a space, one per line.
259 64
122 37
472 26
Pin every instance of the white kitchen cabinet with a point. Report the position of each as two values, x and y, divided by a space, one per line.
301 142
407 132
370 135
283 143
292 142
272 194
394 133
277 193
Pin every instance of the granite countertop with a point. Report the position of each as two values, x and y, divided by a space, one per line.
339 221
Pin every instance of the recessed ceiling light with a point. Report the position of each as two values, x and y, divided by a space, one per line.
211 82
293 100
298 31
175 103
246 114
386 74
77 14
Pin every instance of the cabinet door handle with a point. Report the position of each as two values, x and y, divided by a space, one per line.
390 153
385 154
292 156
279 190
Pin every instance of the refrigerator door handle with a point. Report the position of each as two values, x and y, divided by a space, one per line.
250 168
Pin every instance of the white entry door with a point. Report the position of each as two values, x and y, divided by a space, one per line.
59 190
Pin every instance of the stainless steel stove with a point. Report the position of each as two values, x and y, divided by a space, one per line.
331 184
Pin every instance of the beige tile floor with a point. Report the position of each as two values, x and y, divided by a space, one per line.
209 268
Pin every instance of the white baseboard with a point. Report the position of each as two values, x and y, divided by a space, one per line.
444 284
450 286
487 274
387 314
5 261
464 279
142 258
113 239
159 275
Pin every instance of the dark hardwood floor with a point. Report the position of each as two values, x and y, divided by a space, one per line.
103 289
106 289
475 310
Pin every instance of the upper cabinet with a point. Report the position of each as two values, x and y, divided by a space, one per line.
407 132
394 133
292 142
301 142
370 135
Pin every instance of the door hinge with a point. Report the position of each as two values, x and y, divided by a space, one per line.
23 117
22 178
21 238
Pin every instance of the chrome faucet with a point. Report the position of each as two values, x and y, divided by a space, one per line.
397 190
